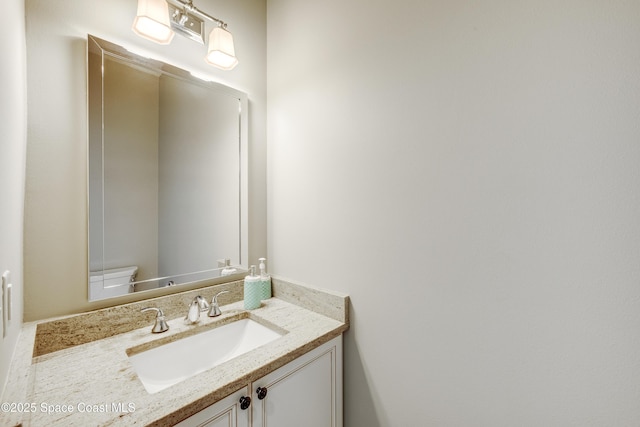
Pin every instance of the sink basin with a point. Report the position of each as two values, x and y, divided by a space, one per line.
169 364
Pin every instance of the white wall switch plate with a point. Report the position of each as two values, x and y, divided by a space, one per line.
2 329
6 301
9 302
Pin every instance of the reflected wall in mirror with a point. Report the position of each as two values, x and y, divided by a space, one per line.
167 158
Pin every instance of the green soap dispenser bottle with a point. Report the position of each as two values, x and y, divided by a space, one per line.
252 292
265 281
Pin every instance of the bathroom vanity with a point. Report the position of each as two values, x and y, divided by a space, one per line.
305 392
77 370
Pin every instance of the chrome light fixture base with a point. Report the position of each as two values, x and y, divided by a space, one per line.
186 23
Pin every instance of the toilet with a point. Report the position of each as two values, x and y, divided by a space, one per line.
111 283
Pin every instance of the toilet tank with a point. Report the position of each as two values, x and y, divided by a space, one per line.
112 282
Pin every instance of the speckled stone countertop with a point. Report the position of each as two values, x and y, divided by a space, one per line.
92 382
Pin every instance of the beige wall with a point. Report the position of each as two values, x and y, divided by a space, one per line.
55 238
13 142
469 173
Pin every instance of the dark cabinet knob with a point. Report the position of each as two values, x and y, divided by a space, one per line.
245 402
262 392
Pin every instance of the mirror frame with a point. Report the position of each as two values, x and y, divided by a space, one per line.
103 47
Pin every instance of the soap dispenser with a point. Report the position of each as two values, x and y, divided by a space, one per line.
265 281
252 290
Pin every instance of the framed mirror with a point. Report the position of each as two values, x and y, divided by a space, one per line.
167 175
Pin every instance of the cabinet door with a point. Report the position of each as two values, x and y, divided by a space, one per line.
305 392
224 413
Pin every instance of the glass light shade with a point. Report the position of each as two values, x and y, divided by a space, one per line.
152 21
221 53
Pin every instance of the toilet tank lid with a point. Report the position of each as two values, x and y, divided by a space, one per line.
113 273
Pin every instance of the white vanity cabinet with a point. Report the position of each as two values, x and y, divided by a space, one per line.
226 412
305 392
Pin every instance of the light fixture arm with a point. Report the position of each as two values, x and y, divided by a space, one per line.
188 5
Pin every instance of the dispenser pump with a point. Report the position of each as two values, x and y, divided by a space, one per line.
263 268
265 281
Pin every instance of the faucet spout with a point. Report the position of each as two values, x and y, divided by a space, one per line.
197 305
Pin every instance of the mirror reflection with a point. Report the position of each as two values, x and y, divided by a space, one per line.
165 176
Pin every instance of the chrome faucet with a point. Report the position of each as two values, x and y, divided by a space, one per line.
197 305
161 324
215 308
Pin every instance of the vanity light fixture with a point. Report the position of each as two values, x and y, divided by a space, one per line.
159 20
152 21
221 53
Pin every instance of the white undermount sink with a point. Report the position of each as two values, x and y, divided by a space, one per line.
169 364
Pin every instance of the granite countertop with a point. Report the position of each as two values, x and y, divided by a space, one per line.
94 383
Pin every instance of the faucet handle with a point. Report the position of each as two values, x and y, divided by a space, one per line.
161 324
215 308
